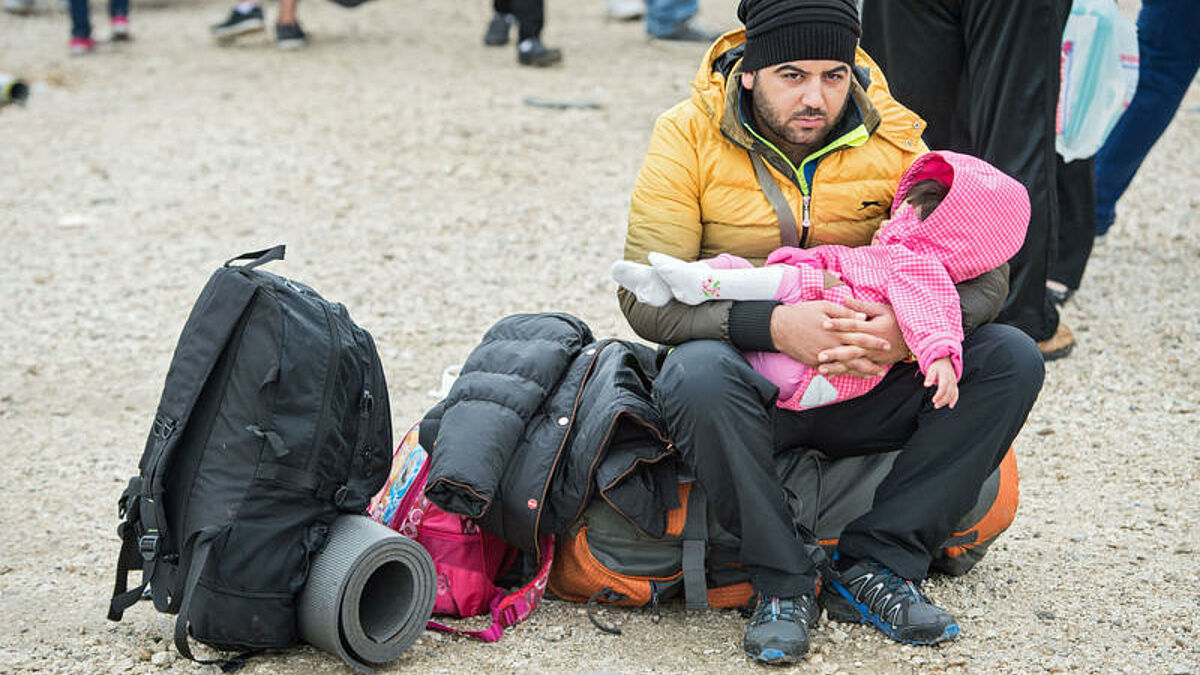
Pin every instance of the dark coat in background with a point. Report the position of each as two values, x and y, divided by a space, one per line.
542 418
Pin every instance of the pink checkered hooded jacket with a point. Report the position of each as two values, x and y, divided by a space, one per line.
912 265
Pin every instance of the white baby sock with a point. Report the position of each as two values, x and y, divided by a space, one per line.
695 282
642 281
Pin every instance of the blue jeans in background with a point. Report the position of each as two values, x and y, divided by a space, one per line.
81 23
1169 53
662 16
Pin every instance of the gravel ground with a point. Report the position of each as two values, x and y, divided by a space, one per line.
398 161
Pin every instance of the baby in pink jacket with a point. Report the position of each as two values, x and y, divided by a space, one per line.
912 264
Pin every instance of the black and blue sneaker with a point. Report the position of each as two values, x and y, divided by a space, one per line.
778 629
869 592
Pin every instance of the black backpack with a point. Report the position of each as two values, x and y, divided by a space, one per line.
273 420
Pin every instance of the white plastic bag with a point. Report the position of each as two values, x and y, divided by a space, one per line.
1099 76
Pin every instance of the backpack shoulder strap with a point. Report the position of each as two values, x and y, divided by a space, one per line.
513 608
207 331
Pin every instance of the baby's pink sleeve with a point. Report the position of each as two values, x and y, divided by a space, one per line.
726 261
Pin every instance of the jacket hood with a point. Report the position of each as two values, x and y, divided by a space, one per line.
979 225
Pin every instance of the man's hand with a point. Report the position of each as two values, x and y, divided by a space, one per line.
802 331
868 341
941 374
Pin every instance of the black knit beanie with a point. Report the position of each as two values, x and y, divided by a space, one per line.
795 30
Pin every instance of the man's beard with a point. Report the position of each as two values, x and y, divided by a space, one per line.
777 124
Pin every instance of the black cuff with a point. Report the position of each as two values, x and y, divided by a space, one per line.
750 325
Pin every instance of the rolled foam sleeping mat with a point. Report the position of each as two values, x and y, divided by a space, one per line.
369 593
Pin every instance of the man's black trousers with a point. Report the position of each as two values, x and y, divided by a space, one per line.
531 16
985 76
722 415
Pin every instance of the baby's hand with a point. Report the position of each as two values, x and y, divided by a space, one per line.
941 373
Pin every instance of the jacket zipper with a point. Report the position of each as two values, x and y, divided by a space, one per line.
537 521
856 136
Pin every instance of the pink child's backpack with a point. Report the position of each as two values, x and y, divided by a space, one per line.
467 559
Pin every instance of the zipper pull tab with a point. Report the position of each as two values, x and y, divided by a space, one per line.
804 219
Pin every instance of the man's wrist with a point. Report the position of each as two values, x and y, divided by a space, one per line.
750 325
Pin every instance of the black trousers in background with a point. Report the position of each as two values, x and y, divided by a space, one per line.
722 415
531 16
985 76
1077 226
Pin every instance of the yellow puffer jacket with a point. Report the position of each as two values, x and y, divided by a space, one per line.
697 194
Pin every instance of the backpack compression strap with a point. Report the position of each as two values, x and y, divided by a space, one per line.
695 542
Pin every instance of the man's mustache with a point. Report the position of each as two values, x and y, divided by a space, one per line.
809 112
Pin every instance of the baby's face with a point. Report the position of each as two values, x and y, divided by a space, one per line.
882 224
899 212
902 210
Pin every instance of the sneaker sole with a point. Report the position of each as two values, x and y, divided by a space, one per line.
244 28
772 656
1055 354
845 610
543 63
291 45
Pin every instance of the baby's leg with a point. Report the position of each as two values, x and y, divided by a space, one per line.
643 281
695 282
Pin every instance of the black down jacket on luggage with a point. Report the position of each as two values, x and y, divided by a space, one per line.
541 419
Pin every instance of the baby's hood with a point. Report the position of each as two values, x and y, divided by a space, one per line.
978 226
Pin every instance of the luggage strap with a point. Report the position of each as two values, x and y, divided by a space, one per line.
695 543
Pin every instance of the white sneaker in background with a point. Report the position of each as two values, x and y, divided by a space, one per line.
625 10
19 6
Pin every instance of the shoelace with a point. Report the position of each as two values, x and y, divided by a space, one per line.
886 591
795 611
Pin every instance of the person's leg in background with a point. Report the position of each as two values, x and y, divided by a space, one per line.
1002 110
1169 54
1077 223
1012 123
926 74
531 18
672 20
118 18
500 24
245 18
81 28
288 34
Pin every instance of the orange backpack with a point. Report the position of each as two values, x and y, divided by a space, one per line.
603 558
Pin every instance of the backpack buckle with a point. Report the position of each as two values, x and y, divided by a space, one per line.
148 546
162 428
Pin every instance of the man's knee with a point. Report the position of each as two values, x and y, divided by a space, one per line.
1007 353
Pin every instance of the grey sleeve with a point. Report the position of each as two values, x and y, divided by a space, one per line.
982 297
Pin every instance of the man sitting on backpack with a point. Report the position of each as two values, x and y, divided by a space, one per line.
789 92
